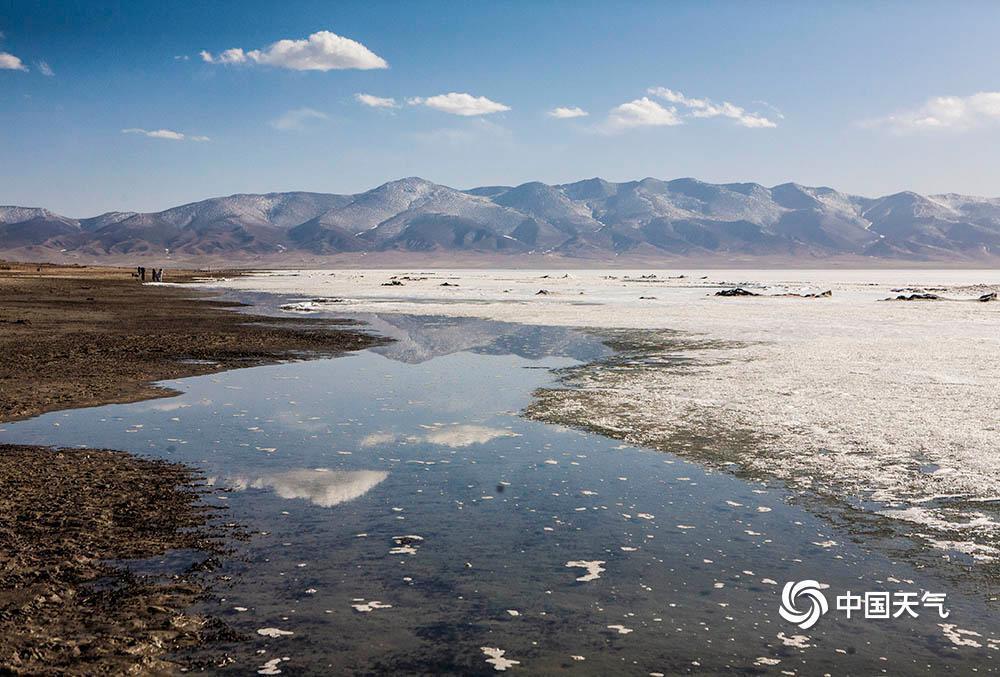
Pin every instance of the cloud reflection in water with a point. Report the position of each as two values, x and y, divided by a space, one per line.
321 486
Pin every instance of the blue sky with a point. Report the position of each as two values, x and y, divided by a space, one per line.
870 98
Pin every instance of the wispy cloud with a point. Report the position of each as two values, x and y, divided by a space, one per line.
460 103
296 119
939 113
45 69
168 134
642 112
11 63
321 51
706 108
567 112
376 101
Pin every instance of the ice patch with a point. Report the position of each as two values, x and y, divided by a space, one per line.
593 567
271 667
304 307
959 636
274 632
496 658
797 641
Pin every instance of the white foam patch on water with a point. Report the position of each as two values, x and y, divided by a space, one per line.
367 607
593 567
495 657
857 396
620 629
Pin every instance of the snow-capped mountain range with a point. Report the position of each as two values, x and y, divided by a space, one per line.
593 218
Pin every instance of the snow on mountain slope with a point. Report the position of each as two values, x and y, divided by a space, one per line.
592 217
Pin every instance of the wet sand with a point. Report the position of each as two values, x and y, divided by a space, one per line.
84 336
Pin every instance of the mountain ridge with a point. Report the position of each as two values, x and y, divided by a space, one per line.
591 218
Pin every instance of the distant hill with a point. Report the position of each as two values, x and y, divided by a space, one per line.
594 219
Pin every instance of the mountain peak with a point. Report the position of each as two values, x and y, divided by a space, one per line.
592 217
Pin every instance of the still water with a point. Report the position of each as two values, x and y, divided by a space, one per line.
408 520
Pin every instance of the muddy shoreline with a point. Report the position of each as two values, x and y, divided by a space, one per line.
67 604
72 519
82 337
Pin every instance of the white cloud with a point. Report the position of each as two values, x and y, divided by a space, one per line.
957 113
45 69
229 56
565 113
376 101
706 108
182 57
460 103
11 63
321 51
164 134
297 118
642 112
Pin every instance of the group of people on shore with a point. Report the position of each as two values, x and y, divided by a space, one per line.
155 275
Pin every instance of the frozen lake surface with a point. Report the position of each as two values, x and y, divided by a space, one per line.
890 404
408 518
